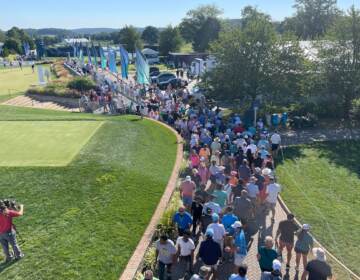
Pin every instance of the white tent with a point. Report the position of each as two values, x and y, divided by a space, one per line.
148 51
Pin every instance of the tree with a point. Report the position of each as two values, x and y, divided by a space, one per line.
12 46
170 40
201 26
340 63
21 36
129 38
313 17
252 62
150 35
2 36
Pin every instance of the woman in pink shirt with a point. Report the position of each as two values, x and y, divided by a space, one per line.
194 159
203 172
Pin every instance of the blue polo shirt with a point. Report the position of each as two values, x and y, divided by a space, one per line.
183 221
228 220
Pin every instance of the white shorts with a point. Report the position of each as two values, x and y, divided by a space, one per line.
239 259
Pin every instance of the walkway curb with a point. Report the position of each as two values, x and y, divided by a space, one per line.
146 240
287 211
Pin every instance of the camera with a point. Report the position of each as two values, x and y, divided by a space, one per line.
10 204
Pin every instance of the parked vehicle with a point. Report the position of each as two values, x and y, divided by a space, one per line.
175 83
200 66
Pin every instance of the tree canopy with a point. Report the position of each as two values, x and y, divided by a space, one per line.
150 35
129 38
170 40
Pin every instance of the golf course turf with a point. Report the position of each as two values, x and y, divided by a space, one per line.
322 187
84 219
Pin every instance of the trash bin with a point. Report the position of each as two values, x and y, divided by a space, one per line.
275 120
284 118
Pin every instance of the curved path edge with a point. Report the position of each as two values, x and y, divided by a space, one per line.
287 211
144 243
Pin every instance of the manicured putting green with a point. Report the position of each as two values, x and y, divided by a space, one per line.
43 143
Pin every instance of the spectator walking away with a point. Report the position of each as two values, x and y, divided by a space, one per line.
182 220
203 274
218 230
303 245
196 212
243 208
185 250
210 252
272 191
285 234
241 273
187 189
240 245
318 269
275 141
275 274
165 256
266 255
33 67
8 233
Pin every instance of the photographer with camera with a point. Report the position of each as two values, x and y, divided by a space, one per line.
7 231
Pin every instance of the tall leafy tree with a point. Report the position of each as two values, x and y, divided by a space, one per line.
252 62
150 35
313 17
201 26
340 62
129 37
170 40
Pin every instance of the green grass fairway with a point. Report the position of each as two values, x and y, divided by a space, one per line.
44 143
322 187
84 220
14 82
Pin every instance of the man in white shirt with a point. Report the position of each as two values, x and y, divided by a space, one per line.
275 141
272 191
185 249
218 229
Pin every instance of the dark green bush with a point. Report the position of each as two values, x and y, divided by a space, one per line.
81 84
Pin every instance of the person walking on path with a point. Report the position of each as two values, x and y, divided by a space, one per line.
243 208
275 141
218 229
303 245
185 250
318 269
266 255
149 275
240 245
204 273
210 252
182 220
165 256
196 212
272 191
285 234
187 189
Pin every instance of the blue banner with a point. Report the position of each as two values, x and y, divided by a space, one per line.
89 56
124 58
93 50
112 61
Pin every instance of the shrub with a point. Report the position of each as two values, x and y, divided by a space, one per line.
355 109
81 84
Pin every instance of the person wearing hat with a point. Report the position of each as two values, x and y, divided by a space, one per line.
196 212
243 207
218 229
253 190
275 274
244 171
303 245
182 220
206 220
187 189
215 145
285 234
212 205
228 220
210 252
204 274
317 269
272 190
240 245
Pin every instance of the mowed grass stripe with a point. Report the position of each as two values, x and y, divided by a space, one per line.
322 187
43 143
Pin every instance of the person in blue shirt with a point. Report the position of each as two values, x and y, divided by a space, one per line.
263 152
182 220
239 244
228 220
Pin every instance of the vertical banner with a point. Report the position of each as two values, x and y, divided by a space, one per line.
74 50
89 56
40 70
142 69
103 58
112 61
81 57
124 58
93 50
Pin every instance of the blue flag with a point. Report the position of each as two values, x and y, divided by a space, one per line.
103 58
89 56
124 58
112 61
93 50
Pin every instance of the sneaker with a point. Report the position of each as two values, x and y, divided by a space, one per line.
287 266
20 257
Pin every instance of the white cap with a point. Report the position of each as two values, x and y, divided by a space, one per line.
276 265
188 178
306 227
237 224
319 254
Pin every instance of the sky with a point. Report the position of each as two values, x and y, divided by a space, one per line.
117 13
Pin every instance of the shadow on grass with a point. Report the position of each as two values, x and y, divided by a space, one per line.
343 153
6 265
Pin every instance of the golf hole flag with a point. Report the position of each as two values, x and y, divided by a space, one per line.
142 69
124 57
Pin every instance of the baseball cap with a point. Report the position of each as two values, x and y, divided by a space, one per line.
276 265
209 232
